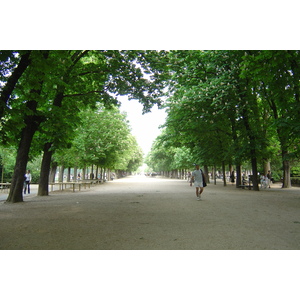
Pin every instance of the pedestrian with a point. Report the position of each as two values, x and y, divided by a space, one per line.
199 181
263 181
232 177
189 176
27 182
244 181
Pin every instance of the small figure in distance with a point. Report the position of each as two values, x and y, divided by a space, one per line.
27 182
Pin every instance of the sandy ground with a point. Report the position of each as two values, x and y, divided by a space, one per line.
139 213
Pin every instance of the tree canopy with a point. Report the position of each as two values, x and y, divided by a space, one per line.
43 92
103 138
234 106
224 107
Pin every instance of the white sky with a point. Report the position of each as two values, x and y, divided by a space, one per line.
143 127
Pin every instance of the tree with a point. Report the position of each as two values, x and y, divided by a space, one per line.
161 155
45 89
124 75
104 139
275 77
214 111
25 105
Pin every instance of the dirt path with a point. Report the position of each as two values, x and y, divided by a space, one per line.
147 213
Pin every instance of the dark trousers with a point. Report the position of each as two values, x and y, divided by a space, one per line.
26 184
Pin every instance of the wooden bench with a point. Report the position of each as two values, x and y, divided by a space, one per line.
63 185
247 183
249 186
94 181
5 186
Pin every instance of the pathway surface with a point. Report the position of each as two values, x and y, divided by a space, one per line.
139 213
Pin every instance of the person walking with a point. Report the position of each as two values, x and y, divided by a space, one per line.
199 181
27 182
189 176
232 177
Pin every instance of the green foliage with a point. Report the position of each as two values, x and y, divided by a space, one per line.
102 138
232 106
44 91
59 83
7 161
223 106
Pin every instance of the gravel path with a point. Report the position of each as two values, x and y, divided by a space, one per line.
140 213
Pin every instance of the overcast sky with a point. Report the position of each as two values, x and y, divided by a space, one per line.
144 127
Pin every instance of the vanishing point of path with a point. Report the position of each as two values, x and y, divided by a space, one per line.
139 213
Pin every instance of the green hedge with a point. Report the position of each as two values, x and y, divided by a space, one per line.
295 181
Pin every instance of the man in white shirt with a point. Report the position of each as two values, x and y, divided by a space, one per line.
27 182
197 178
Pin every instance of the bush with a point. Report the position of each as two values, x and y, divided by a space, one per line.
295 181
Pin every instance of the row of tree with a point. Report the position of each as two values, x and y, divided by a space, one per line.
224 107
231 107
44 92
103 141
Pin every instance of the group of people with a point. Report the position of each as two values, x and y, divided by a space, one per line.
266 180
198 178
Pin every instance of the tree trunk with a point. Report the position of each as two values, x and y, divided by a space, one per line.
96 175
266 167
92 173
206 174
69 175
215 174
255 180
75 174
83 175
17 183
45 170
238 176
53 169
224 175
61 174
286 174
252 144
